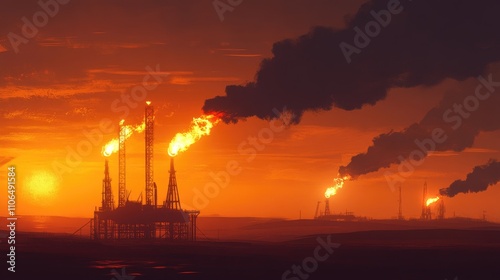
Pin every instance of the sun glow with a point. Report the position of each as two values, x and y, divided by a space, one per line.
42 186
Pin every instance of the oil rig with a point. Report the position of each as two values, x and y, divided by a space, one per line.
135 219
327 215
426 208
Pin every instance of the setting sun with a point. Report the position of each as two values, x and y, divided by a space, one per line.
42 186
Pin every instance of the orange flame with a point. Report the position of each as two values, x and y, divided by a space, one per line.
431 200
339 183
113 145
199 127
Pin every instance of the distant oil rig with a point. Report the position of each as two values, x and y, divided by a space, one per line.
426 214
135 219
327 215
426 206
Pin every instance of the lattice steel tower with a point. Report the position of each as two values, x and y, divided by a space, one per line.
441 209
426 210
121 165
400 201
327 207
149 140
107 194
173 201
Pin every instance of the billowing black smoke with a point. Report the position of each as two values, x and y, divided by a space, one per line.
452 125
478 180
424 43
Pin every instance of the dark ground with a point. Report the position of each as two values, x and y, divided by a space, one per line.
385 254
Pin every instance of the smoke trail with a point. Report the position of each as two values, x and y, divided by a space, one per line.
426 43
452 125
478 180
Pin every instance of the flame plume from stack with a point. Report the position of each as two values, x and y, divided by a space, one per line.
113 145
431 200
339 183
199 127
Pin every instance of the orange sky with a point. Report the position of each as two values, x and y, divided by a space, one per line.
65 80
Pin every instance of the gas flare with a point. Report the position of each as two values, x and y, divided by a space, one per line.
339 183
126 130
431 200
199 127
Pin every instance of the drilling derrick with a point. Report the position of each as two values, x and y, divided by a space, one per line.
316 214
327 207
121 166
400 201
173 201
441 210
426 210
107 195
149 139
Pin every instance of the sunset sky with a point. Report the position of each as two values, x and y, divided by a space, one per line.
72 76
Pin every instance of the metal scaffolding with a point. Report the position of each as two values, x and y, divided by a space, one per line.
327 207
149 151
173 200
107 195
400 202
441 210
121 165
426 210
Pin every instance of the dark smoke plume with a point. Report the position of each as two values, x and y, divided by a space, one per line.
478 180
426 43
446 127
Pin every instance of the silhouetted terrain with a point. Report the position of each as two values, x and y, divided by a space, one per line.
373 254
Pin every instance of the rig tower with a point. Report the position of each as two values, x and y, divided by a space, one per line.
173 200
441 210
327 207
426 210
121 166
149 151
316 214
107 195
400 213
